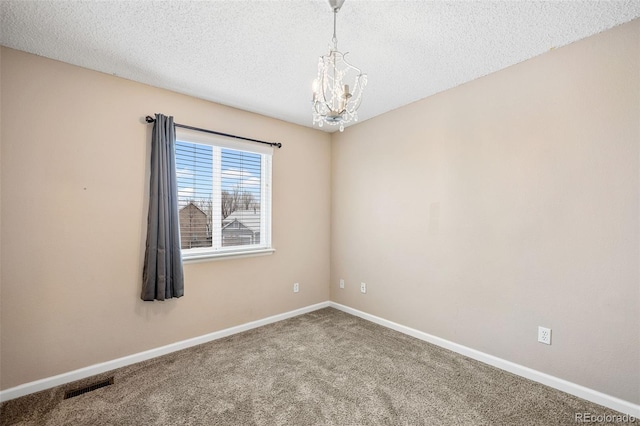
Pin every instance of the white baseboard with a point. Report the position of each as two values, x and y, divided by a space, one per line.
537 376
609 401
92 370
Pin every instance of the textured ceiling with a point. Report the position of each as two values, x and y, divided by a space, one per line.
261 56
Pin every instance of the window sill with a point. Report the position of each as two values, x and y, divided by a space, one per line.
207 257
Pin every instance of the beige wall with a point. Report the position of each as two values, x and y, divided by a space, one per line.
509 202
74 183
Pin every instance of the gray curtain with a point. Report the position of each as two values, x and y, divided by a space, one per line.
162 277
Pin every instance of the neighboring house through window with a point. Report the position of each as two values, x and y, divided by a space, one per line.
224 195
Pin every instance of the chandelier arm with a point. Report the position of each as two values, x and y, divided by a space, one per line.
323 84
344 59
321 101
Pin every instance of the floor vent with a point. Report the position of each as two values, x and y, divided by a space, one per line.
89 388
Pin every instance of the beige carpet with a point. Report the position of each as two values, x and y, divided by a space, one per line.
321 368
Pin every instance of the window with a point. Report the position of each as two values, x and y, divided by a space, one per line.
224 196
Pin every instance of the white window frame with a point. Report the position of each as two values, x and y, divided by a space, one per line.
217 252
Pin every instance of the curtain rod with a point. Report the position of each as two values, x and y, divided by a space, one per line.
150 119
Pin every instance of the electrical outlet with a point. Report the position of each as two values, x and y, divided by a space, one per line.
296 287
544 335
363 288
341 283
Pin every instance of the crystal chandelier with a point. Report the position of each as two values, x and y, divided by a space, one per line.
335 101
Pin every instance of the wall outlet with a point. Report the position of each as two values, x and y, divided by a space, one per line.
544 335
363 288
296 287
341 283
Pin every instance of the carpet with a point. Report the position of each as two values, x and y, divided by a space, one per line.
321 368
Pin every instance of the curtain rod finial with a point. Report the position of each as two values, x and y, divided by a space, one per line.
149 119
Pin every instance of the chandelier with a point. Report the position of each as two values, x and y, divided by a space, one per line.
335 101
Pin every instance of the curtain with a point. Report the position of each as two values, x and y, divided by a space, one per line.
162 277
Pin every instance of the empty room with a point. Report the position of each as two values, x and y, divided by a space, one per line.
319 212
